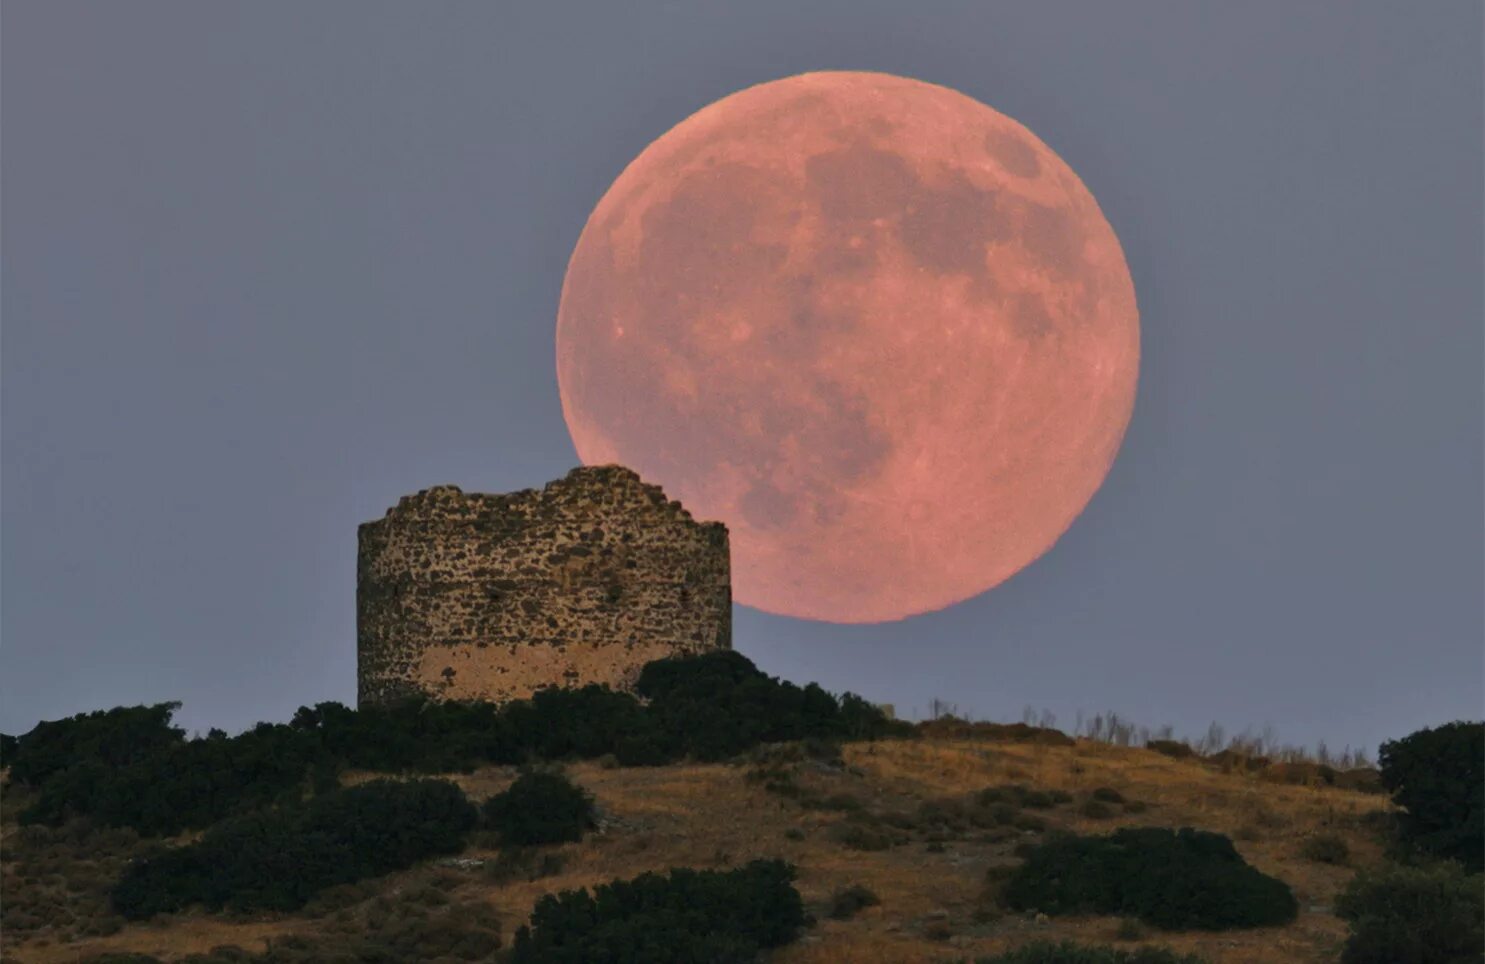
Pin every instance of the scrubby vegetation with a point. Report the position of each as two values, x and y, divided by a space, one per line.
56 881
541 807
687 915
848 901
131 767
1437 776
1067 953
1186 879
1414 915
420 924
1326 848
279 859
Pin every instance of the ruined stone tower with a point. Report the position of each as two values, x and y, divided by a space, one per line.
468 596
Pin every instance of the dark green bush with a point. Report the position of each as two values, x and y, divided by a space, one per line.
1171 748
1043 952
1326 848
848 901
541 807
279 859
1096 810
1437 776
1107 795
185 785
1186 879
109 738
718 704
1018 795
130 767
1413 915
722 917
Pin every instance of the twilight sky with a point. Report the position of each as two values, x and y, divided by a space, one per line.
267 267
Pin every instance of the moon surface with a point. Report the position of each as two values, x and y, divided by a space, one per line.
879 329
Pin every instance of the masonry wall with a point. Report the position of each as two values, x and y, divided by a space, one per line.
468 596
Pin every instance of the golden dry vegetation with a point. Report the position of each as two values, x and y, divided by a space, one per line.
934 903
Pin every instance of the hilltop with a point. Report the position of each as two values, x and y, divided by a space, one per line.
879 816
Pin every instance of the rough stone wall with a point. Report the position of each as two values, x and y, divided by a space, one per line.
468 596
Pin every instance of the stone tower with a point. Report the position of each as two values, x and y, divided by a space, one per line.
492 597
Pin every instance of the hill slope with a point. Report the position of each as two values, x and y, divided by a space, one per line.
888 816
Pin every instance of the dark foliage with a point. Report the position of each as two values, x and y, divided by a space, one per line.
56 881
278 859
718 704
1186 879
108 738
1047 953
185 785
1171 748
848 901
1437 776
725 917
541 807
1326 848
1413 915
1019 795
130 767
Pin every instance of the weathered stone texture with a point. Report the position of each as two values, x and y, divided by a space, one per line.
468 596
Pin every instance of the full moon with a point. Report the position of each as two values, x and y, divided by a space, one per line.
879 329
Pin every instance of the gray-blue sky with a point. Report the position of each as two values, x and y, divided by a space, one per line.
267 267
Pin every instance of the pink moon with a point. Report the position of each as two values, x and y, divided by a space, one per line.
879 329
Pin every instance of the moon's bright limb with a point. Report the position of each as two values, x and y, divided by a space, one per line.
879 329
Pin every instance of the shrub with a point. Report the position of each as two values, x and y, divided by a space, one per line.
130 767
1017 795
862 836
846 902
541 807
1046 953
523 863
1107 795
1168 879
1437 776
278 859
187 785
1171 748
1413 915
1326 848
110 738
718 704
727 917
1096 810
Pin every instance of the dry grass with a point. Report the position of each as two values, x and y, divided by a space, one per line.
932 901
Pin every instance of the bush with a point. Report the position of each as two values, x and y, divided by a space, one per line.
848 901
719 704
1413 915
184 786
541 807
1437 776
1096 810
1168 879
1067 953
1107 795
279 859
130 767
1171 748
110 738
1326 848
727 917
1017 795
